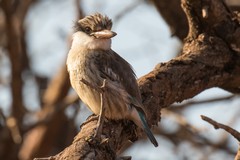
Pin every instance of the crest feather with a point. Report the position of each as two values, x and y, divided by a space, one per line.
93 22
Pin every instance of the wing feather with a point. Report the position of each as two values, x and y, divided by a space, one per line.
116 69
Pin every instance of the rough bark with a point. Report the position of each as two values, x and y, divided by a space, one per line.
175 17
210 58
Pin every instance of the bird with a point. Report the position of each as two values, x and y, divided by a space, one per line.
91 59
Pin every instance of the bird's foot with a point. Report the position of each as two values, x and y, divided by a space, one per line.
90 119
99 127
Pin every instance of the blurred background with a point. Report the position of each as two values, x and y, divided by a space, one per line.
39 112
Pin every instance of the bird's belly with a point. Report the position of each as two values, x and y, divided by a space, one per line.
114 103
114 107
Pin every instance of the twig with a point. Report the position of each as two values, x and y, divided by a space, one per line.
197 139
190 103
101 90
79 9
217 125
102 111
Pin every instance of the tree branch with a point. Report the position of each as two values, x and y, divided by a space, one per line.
207 61
217 125
228 129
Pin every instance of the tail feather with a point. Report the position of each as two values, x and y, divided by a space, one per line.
147 129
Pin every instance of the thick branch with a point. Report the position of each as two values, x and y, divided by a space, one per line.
179 79
207 61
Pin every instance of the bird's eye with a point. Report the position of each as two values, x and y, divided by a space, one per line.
88 29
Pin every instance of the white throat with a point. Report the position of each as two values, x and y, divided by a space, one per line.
81 39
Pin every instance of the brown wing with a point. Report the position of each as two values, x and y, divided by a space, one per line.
116 69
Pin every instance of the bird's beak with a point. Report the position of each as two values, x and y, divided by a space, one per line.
104 34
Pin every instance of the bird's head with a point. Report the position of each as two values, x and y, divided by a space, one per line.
96 25
93 32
